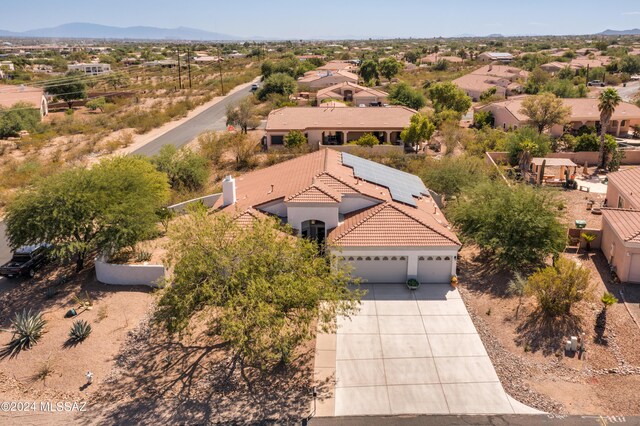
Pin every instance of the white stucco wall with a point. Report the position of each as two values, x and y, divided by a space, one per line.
298 213
353 202
116 274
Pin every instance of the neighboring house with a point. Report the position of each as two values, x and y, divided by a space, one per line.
351 92
601 61
320 79
93 68
206 59
554 67
434 57
338 66
621 224
382 221
336 126
487 57
506 80
163 63
584 112
11 95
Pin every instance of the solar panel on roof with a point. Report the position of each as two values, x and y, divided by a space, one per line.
404 187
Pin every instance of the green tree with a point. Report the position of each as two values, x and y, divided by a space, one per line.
483 119
278 83
527 139
528 229
403 94
295 139
411 57
110 206
449 96
21 116
450 176
420 129
488 94
185 169
243 115
487 139
117 80
608 100
557 288
262 288
389 68
545 111
630 64
72 88
97 103
266 69
369 71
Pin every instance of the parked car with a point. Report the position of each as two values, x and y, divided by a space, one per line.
596 83
254 87
26 261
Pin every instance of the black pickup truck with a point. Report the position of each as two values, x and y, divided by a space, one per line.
25 261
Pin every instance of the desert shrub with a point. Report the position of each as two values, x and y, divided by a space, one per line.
483 119
185 169
367 140
212 146
80 330
558 287
295 139
19 117
608 299
527 139
27 328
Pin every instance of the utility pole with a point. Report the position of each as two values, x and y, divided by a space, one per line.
179 70
189 66
220 70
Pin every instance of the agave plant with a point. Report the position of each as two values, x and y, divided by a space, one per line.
80 330
27 328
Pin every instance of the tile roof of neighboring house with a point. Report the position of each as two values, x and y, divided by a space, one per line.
555 65
317 75
316 193
336 66
475 82
625 223
429 59
628 183
498 55
247 217
391 225
302 118
581 109
320 176
591 63
11 95
502 71
334 91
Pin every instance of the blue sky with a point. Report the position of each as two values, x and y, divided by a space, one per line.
334 18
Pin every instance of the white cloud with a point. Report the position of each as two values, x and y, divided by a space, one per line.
631 13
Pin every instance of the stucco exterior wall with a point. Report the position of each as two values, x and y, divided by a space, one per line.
116 274
298 213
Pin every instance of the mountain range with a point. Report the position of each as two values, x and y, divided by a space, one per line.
88 31
635 31
95 31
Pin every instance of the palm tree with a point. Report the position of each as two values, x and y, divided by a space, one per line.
608 101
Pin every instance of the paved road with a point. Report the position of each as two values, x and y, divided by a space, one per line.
212 118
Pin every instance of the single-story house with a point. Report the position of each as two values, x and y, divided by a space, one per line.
584 112
554 67
336 126
382 221
320 79
11 95
351 92
336 65
505 79
621 224
93 68
434 57
601 61
503 57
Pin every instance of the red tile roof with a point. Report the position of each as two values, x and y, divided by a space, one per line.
625 223
390 224
316 193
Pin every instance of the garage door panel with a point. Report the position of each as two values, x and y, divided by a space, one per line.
434 269
379 269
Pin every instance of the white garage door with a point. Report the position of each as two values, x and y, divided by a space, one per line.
634 269
379 269
434 269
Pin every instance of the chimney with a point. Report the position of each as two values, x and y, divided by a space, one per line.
228 191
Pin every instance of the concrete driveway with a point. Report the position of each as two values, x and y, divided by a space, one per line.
409 352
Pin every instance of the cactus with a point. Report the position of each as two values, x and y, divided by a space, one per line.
80 330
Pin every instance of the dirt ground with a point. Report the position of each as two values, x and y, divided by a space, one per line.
528 351
54 369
